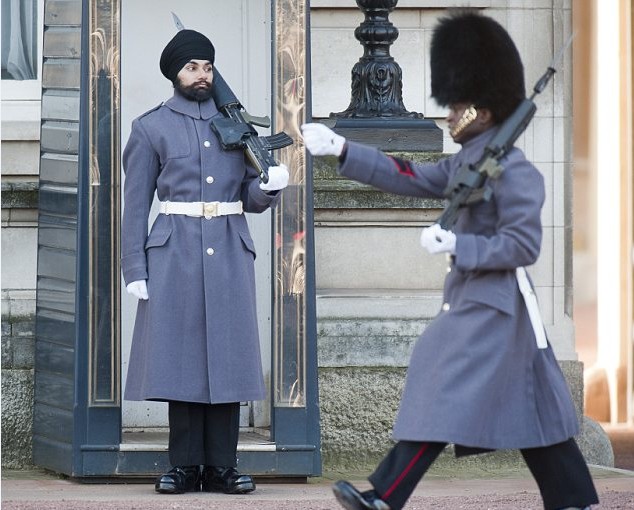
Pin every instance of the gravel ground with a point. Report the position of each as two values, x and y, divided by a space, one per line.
612 500
499 491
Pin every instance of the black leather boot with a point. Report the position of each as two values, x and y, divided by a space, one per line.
351 499
178 480
227 480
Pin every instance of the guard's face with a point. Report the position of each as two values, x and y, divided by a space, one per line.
465 121
195 78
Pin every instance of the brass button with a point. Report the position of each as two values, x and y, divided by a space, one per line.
210 251
446 307
210 179
207 143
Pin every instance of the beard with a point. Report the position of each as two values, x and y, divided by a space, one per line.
194 92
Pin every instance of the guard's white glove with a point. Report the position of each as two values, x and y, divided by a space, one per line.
138 289
278 178
437 240
321 140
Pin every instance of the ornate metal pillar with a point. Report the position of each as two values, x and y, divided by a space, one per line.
377 91
377 87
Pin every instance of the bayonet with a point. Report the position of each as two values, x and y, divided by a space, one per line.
177 22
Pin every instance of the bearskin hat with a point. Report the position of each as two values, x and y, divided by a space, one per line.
474 60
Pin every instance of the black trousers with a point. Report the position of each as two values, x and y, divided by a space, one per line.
203 434
560 471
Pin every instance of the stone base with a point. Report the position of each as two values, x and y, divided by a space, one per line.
391 134
358 406
17 419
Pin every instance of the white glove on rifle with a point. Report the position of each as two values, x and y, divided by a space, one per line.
278 178
321 140
138 289
435 239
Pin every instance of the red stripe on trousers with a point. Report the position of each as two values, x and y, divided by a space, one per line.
406 471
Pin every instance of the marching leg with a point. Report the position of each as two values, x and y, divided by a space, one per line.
394 480
562 475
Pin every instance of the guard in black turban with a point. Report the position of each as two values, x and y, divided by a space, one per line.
185 46
474 60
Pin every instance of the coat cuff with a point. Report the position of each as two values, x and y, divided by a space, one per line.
466 252
267 198
134 267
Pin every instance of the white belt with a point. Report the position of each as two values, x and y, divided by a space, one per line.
533 308
198 209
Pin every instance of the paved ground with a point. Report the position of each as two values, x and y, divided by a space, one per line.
481 490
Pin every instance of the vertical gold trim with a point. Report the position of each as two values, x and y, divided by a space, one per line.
289 95
104 130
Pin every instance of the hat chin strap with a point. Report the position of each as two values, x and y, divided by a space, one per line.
469 115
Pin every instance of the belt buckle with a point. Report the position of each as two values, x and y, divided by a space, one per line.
210 209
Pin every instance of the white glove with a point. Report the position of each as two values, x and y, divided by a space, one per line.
138 289
278 178
321 140
437 240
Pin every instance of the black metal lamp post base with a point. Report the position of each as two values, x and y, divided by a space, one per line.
376 114
391 134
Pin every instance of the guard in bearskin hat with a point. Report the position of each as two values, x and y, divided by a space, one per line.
480 376
195 343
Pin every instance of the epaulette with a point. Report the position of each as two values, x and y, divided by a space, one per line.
150 111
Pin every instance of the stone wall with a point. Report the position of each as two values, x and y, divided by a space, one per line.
19 169
18 337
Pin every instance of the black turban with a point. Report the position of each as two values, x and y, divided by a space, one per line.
473 59
186 45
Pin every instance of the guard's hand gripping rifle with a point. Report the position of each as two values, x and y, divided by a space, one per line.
468 185
235 130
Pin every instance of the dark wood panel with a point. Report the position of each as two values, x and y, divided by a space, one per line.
58 200
55 326
54 357
61 137
53 423
56 264
62 42
60 104
53 455
62 12
56 296
54 390
60 168
61 73
58 234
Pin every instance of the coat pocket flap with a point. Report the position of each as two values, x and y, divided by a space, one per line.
158 237
247 241
494 290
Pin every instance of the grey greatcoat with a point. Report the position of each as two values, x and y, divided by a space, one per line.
476 377
196 338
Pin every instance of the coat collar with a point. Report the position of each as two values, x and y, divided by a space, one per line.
479 142
197 110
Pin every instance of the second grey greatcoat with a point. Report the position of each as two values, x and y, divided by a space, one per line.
476 377
196 338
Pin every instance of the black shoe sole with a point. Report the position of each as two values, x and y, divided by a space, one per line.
242 488
346 497
169 488
166 488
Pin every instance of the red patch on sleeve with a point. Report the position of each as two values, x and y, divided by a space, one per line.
403 167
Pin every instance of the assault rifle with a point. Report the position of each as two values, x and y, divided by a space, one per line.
469 184
235 130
